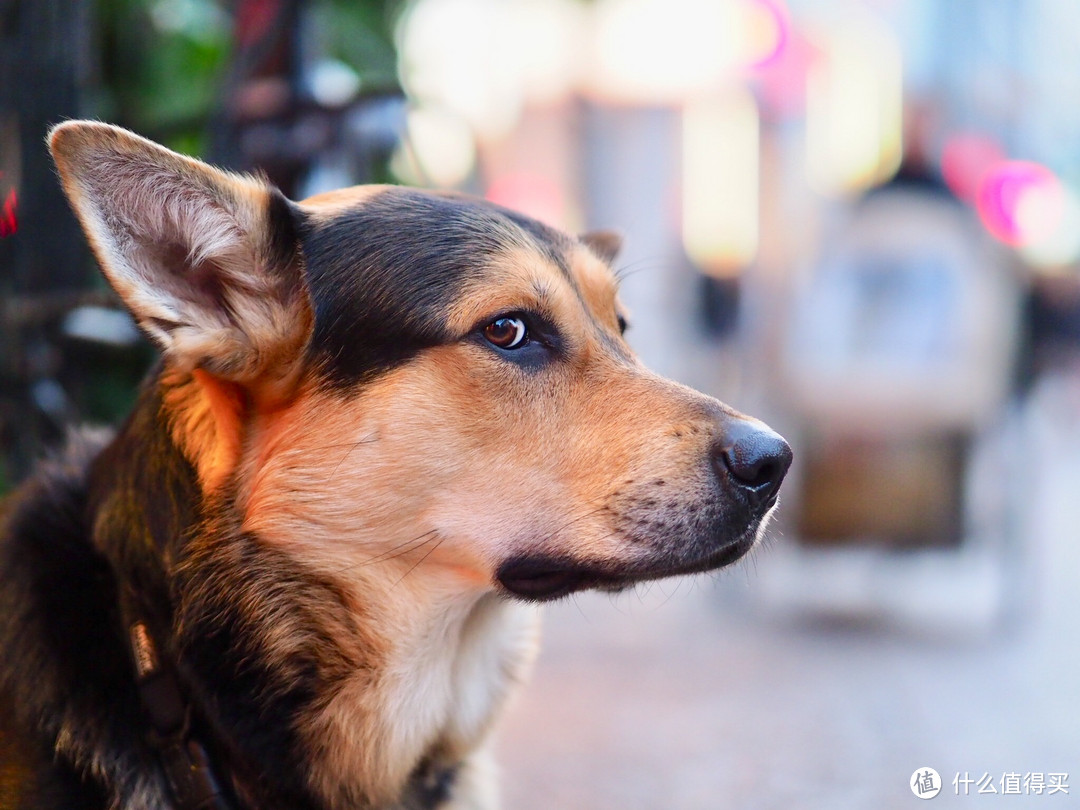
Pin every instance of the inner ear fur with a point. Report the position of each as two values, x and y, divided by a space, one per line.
205 260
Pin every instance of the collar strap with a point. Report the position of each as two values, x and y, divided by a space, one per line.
187 766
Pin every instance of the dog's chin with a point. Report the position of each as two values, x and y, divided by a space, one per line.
544 577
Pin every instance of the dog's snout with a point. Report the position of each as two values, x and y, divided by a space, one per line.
755 459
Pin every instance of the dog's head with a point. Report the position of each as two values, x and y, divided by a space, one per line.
385 378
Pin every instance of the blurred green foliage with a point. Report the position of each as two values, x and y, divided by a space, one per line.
159 67
162 62
361 34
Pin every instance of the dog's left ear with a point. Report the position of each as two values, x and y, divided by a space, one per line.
205 260
605 244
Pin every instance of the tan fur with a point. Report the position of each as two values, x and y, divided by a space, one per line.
329 204
15 765
598 287
207 415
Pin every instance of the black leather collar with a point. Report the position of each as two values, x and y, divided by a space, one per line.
193 783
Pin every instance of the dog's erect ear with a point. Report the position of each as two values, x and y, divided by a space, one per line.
205 260
605 244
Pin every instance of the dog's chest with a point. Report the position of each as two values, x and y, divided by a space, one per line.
436 699
453 682
496 647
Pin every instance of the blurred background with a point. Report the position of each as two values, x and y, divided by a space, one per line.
856 219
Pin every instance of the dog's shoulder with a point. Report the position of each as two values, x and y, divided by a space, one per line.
45 540
54 591
45 546
51 499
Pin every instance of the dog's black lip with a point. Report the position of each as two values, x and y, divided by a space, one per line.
543 577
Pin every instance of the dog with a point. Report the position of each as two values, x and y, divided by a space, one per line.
385 425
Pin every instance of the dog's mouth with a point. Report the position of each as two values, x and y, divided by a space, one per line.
543 577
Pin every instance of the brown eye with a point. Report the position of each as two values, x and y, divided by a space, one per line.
506 333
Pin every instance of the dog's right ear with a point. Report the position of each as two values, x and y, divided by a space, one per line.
205 260
605 244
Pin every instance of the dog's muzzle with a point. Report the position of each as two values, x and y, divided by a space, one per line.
749 462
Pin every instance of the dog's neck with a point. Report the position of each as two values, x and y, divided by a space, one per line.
445 676
311 692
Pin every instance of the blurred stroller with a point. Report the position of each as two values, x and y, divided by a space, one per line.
897 362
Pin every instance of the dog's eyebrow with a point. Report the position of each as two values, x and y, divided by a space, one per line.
539 296
552 244
543 290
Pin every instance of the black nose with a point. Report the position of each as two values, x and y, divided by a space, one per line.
755 459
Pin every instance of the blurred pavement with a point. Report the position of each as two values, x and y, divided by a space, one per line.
691 695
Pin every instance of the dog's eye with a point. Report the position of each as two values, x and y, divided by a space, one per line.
506 333
623 325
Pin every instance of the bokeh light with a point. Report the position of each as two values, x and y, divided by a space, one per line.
1020 202
532 194
483 59
1060 250
438 149
768 29
854 106
450 52
721 182
660 51
9 222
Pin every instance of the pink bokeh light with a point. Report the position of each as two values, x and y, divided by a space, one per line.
532 194
773 16
9 221
1020 202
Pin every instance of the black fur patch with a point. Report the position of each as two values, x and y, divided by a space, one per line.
281 219
210 595
234 594
145 499
382 275
64 665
